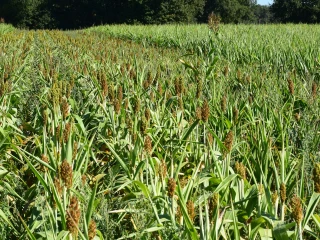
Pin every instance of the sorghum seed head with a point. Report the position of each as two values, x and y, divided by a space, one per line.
250 99
291 86
163 170
297 116
83 179
240 169
198 113
314 90
260 188
143 125
199 89
205 111
214 22
149 78
190 209
180 103
111 93
73 216
126 104
179 214
213 203
58 129
65 108
210 138
147 114
128 66
178 85
120 94
45 117
168 94
151 96
274 197
132 74
74 150
57 185
104 86
66 132
137 106
224 104
160 90
129 123
45 159
116 105
228 141
66 173
297 212
148 144
226 71
92 230
146 84
248 79
171 187
235 114
239 74
283 192
183 181
316 177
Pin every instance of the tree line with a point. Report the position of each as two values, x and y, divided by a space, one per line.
72 14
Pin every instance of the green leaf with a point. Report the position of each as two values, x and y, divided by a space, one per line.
225 183
80 123
62 235
190 129
139 167
38 175
235 224
6 219
280 231
143 188
313 203
153 229
265 234
123 165
91 204
316 219
190 226
38 160
31 236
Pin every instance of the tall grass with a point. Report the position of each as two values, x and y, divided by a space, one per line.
160 132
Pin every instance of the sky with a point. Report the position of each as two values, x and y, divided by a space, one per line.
265 2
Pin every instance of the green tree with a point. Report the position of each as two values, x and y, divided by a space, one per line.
27 13
262 14
180 10
230 11
295 11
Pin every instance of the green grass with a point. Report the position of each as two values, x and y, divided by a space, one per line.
160 132
5 28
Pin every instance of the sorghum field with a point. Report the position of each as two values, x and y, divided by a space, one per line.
160 132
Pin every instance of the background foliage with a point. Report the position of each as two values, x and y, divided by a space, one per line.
74 14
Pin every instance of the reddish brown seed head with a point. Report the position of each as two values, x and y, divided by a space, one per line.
297 211
73 216
205 111
66 173
291 86
283 192
92 230
171 187
228 141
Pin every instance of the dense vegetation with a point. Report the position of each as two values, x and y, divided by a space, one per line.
71 14
171 132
